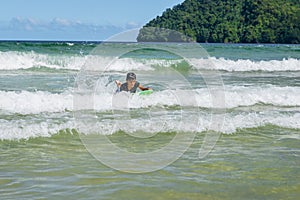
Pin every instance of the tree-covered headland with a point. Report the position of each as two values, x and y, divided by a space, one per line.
229 21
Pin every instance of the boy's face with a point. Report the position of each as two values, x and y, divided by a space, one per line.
131 82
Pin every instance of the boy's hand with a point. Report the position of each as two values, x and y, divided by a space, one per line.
118 83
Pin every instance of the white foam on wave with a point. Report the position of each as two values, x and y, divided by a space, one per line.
35 102
21 129
114 64
143 127
235 96
257 119
185 120
213 63
246 96
24 60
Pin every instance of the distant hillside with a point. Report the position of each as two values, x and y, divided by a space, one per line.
234 21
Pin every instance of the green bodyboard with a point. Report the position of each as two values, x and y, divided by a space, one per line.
146 92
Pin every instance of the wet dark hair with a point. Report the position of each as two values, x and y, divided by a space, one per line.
130 76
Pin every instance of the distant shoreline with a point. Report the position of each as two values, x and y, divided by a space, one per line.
99 42
46 41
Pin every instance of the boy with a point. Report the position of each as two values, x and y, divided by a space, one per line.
131 84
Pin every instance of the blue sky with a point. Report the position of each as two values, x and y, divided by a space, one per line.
75 19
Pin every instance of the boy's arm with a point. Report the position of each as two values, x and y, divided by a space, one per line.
118 83
144 88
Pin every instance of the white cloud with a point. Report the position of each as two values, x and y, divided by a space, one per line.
62 22
24 23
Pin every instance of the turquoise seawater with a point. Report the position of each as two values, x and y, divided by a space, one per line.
58 110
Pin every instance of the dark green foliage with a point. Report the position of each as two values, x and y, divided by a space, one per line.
234 21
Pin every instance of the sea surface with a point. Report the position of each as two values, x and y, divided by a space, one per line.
223 121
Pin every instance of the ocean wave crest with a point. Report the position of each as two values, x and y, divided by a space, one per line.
26 102
241 65
43 126
12 60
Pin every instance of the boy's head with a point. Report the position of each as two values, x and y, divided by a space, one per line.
131 79
130 76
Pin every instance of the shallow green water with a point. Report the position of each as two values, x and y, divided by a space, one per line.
251 164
